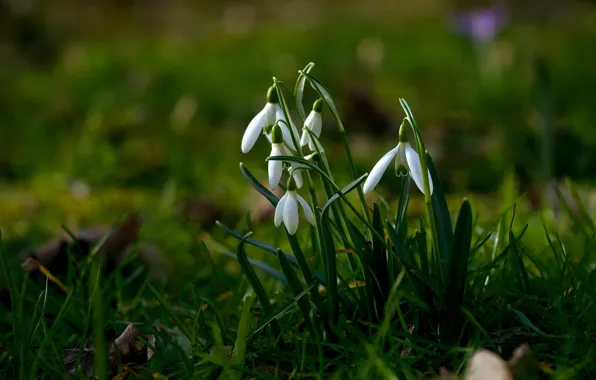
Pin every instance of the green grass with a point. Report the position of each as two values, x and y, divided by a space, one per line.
408 297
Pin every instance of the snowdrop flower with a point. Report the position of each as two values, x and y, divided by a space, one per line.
407 162
314 123
287 209
265 120
276 167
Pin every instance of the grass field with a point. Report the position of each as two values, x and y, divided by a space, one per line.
138 241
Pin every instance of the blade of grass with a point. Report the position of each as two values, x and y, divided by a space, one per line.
169 311
261 265
299 90
451 318
441 211
258 185
255 283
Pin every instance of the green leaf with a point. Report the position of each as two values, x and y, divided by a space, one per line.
286 310
299 90
402 207
526 321
168 310
255 283
297 289
451 318
242 332
304 268
328 247
261 265
324 93
268 248
353 185
441 211
363 250
258 185
377 272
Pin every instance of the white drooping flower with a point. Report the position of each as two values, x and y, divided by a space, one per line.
407 161
275 167
265 120
314 122
286 210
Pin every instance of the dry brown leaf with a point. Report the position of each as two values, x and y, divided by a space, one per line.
486 365
130 348
53 255
126 348
70 356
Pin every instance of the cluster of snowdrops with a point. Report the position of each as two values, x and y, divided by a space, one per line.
274 122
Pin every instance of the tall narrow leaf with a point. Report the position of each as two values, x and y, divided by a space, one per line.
255 283
258 185
441 211
331 269
377 271
451 316
299 90
297 289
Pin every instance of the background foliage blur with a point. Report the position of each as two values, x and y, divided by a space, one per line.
104 103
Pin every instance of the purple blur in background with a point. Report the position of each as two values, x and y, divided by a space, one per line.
481 24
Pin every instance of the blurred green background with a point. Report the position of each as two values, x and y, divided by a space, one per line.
110 106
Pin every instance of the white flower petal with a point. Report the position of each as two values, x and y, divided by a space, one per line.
279 211
271 114
317 124
253 131
279 115
275 168
307 210
305 139
416 169
297 176
290 213
287 136
377 171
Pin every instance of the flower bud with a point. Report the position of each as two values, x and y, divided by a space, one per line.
318 105
272 95
276 135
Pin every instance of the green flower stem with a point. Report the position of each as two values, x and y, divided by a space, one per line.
338 208
426 181
335 187
286 112
325 96
316 297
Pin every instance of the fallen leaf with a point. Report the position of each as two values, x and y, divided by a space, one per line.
71 355
127 348
486 365
130 349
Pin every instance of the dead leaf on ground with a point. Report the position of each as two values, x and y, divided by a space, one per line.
53 256
71 355
127 348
